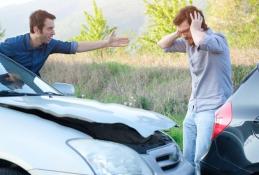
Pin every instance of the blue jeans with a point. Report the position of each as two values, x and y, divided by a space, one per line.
197 131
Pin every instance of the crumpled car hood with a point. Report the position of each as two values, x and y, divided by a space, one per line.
145 122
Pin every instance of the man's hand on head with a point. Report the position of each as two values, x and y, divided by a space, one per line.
177 33
196 30
167 40
196 21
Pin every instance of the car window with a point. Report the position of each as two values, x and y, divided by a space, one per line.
254 71
248 90
16 78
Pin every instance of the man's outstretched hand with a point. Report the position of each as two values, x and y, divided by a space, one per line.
113 41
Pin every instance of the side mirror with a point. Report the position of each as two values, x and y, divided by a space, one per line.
64 88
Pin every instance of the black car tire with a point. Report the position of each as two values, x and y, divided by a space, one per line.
6 171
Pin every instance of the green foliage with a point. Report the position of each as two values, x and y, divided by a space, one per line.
177 132
239 73
160 14
96 28
152 89
164 90
2 32
175 106
144 103
116 69
238 19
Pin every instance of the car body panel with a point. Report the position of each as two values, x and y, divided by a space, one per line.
245 104
30 135
145 122
235 150
38 125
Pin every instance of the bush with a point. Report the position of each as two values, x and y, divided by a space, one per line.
239 73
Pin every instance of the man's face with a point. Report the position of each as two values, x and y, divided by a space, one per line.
184 30
47 31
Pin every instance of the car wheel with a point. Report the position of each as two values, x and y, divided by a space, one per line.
6 171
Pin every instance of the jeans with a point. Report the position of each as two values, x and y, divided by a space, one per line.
197 131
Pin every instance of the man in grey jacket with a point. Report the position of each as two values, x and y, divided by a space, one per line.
210 68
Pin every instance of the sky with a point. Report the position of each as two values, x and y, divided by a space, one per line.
14 15
4 3
127 15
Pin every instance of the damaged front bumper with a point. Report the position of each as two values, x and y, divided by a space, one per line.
168 160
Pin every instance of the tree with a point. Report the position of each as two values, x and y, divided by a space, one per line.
238 19
160 14
96 27
2 32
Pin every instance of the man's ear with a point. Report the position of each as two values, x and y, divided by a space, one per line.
36 29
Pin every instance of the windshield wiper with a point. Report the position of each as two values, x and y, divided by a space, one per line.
51 94
6 93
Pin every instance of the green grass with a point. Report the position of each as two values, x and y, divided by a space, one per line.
176 132
239 73
155 84
164 90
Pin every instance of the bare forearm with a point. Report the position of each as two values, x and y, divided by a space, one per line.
198 36
88 46
168 40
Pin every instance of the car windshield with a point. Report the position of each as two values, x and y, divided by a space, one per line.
15 80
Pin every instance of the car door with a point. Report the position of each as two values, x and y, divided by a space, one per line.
256 101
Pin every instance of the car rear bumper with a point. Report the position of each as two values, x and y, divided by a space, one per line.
207 169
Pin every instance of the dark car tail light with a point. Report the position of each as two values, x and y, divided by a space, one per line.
222 119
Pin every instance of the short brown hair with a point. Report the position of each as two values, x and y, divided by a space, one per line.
38 18
184 14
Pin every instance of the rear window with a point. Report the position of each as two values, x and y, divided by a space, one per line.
254 72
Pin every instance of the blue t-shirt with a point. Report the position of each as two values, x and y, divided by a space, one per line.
19 49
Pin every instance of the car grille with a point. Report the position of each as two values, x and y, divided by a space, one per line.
166 163
163 159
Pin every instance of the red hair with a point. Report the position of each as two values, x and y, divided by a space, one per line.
184 14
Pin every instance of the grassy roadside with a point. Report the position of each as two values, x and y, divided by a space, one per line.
177 132
157 83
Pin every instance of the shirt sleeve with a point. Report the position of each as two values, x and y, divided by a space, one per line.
7 48
179 45
215 43
65 47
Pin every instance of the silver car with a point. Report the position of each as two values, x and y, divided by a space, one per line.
44 132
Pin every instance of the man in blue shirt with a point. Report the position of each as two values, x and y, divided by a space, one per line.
32 49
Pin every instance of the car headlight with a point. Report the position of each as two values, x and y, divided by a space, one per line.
109 158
